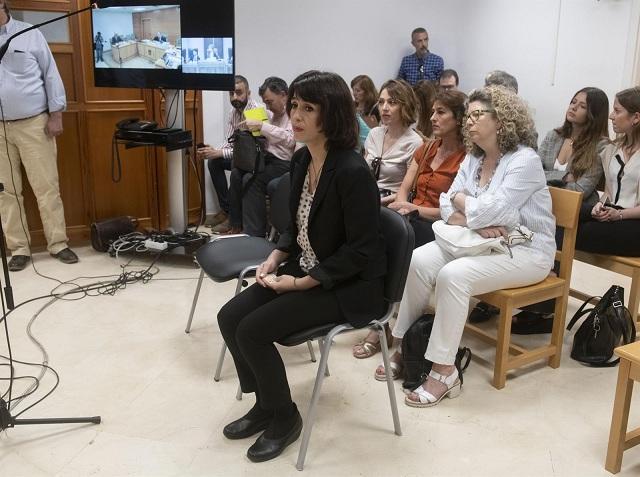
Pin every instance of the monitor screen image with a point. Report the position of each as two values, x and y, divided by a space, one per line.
130 37
175 44
207 55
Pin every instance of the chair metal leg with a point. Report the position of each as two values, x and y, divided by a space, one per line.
321 343
312 353
315 397
387 371
239 393
195 300
216 377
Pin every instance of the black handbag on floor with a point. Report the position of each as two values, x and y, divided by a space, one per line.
607 326
414 346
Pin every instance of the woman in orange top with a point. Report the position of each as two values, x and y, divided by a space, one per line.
434 166
432 170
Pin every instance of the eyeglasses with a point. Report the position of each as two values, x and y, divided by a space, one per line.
375 167
477 114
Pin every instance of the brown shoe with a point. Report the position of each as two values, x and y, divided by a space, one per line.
18 262
232 231
221 228
217 219
66 255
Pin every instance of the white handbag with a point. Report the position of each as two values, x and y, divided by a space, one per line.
461 241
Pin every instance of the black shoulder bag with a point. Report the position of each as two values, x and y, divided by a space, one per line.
607 326
414 346
248 151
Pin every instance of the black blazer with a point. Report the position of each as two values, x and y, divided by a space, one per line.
344 232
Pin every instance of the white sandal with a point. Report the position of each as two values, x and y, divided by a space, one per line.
454 387
396 371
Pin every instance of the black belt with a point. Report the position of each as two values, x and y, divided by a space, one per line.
23 119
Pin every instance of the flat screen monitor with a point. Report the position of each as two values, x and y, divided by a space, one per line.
174 44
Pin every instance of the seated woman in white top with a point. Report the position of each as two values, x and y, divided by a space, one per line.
614 227
570 153
390 147
499 185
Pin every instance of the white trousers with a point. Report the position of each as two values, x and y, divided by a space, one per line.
455 281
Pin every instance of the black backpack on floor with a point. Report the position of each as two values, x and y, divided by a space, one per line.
414 346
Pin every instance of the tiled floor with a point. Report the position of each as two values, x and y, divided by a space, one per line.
127 358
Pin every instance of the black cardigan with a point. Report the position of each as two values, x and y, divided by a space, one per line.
344 232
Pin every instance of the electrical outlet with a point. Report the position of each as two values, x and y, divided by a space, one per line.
157 246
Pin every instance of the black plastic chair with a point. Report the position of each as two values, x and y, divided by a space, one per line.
399 240
237 257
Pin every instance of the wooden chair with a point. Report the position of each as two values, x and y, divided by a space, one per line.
619 439
566 208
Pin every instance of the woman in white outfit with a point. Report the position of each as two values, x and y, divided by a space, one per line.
500 184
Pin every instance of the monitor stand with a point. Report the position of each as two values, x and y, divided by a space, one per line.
176 164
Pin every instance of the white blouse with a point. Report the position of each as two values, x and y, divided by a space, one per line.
517 194
624 189
308 258
395 159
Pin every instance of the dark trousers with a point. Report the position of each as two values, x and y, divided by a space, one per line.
610 238
248 196
254 320
219 179
422 230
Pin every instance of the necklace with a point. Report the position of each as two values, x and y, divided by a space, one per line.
484 188
316 174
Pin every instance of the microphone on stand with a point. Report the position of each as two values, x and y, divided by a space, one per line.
96 4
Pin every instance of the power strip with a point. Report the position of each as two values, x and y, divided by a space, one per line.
157 246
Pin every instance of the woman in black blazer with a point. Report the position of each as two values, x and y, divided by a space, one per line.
335 260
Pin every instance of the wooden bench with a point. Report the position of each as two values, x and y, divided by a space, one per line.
629 266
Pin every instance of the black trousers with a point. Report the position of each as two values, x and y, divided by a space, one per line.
610 238
422 230
254 320
248 202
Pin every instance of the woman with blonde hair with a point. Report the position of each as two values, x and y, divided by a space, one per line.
500 185
389 147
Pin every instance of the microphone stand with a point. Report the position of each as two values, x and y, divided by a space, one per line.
6 419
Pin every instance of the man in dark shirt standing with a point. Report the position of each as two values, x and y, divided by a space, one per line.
422 64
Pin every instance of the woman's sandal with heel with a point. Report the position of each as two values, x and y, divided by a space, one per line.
426 399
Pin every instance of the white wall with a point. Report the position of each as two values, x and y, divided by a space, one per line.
109 22
553 47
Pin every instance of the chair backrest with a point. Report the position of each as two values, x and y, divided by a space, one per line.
399 241
566 208
279 214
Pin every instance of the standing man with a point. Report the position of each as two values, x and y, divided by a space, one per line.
449 80
220 158
422 64
32 97
252 200
99 46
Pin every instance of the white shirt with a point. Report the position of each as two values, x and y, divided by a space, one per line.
395 159
627 190
517 194
279 134
30 83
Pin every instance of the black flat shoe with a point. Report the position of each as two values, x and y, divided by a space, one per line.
246 427
530 323
483 312
18 262
266 449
